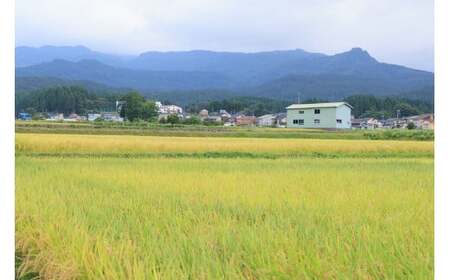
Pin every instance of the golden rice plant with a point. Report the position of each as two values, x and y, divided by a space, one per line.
223 218
60 143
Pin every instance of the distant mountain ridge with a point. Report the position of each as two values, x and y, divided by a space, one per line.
29 84
123 77
27 56
275 74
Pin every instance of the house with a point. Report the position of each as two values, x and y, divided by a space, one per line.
266 120
425 121
203 114
389 123
93 117
55 117
332 115
24 117
366 123
72 118
168 109
111 117
224 115
281 119
213 117
245 120
395 123
356 123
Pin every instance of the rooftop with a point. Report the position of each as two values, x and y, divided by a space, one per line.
318 105
267 116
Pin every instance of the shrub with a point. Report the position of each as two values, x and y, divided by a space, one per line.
411 125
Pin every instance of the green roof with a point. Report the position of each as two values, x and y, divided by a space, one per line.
318 105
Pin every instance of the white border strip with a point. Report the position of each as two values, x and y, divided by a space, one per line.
442 152
7 245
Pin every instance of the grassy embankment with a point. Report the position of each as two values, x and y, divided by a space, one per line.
150 129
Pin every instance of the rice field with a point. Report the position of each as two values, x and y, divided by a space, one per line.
227 217
117 144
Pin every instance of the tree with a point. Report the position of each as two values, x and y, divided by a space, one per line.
407 110
133 107
137 108
149 111
63 99
411 125
362 104
192 120
173 119
208 122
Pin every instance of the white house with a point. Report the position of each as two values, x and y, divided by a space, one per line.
55 117
335 115
112 117
93 117
366 123
168 109
266 120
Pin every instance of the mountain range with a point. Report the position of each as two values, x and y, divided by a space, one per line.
277 74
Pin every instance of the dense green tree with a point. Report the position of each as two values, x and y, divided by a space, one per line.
411 125
63 99
132 109
406 109
386 107
173 119
149 111
137 108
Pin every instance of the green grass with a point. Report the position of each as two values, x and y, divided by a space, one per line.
216 209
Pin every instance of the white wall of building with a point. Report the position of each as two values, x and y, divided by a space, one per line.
266 120
344 113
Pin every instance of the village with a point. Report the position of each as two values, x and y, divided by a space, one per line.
296 116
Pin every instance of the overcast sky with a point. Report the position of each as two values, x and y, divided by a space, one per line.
393 31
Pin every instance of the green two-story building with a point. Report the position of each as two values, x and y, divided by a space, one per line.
332 115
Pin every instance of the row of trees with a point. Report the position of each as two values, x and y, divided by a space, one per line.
363 106
387 107
75 99
64 99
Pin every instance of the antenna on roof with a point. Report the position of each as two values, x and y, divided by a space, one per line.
298 98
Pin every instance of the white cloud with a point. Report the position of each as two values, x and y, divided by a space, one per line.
396 31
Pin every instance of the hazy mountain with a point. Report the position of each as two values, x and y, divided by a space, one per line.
276 74
26 56
348 73
242 67
122 77
335 86
27 84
